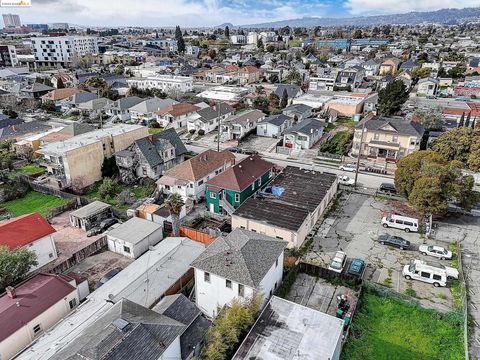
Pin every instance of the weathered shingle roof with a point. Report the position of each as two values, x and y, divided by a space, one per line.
400 126
201 165
303 191
241 175
292 90
276 120
211 113
306 126
242 256
151 145
126 331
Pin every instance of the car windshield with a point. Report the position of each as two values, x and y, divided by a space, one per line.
336 264
411 268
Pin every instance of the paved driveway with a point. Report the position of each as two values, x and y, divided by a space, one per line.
354 229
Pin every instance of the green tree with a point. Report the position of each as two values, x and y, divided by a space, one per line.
421 72
270 48
96 82
260 44
261 103
273 78
392 97
119 70
227 32
457 72
15 265
284 100
60 84
294 76
474 156
467 121
274 100
174 204
358 34
461 123
180 40
107 189
429 182
428 118
423 39
455 144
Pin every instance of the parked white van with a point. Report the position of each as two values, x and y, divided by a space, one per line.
422 271
400 222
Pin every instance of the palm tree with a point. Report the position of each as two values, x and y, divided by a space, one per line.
174 204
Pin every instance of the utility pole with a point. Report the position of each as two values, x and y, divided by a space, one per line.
359 152
219 127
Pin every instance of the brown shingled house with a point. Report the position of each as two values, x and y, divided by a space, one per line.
188 179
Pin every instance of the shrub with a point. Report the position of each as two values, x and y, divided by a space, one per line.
107 190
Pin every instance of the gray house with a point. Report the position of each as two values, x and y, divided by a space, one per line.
150 156
300 111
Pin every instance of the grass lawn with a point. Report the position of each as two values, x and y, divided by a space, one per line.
31 202
31 169
384 328
153 131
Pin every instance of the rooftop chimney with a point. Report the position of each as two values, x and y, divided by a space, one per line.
10 292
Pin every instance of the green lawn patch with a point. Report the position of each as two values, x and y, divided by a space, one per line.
387 328
338 144
153 131
33 202
31 169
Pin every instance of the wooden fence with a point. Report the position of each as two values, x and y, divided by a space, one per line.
196 235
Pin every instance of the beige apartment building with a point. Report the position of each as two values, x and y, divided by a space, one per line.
387 139
77 162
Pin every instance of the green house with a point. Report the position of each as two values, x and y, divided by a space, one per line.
228 190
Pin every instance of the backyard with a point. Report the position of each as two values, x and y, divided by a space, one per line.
386 327
33 202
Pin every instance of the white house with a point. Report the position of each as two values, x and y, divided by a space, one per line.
237 266
31 308
188 179
303 135
427 86
146 110
207 119
274 126
236 127
32 232
166 83
134 237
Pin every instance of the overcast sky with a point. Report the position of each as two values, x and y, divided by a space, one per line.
212 12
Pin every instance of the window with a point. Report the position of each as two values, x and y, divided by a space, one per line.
279 237
36 329
253 185
376 136
50 255
425 274
241 290
206 277
200 182
237 197
276 263
437 277
213 195
126 249
72 303
394 138
228 283
242 227
253 230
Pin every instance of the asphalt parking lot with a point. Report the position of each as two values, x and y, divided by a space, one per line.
354 228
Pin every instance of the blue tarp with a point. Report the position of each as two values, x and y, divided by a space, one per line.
277 190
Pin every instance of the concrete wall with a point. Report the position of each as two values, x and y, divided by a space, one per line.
43 247
25 335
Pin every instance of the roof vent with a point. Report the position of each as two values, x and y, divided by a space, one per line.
120 324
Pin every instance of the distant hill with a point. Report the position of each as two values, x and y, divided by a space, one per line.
444 16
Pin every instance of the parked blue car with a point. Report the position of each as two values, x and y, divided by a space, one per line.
356 267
